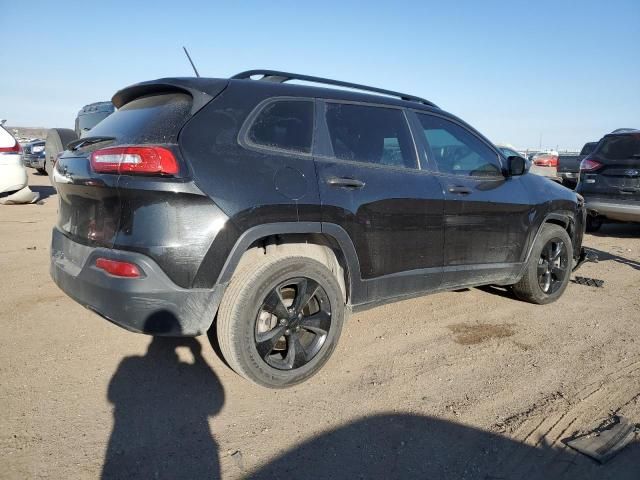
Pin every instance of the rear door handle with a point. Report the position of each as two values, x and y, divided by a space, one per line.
345 182
460 190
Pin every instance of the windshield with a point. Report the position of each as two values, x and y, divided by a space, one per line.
619 147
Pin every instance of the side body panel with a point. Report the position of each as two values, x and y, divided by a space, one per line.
252 186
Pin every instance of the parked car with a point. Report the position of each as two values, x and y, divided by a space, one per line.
13 175
610 179
58 138
569 165
34 155
271 210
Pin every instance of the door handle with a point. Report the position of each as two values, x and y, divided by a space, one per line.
460 190
345 182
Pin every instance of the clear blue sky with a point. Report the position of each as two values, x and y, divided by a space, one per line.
569 71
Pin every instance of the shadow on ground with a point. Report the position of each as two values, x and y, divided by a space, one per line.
162 407
45 191
606 256
161 414
620 230
410 446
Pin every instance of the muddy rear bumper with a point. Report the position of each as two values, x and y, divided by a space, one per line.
152 304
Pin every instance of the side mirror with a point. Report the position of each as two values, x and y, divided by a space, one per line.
517 166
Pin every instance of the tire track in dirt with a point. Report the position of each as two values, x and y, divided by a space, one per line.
556 417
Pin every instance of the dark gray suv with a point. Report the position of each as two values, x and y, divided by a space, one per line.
266 211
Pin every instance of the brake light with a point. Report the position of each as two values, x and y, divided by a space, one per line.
117 268
589 165
16 148
134 160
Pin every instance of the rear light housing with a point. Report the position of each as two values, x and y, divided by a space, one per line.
118 268
134 160
589 165
16 148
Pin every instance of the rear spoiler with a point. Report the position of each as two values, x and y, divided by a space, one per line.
202 90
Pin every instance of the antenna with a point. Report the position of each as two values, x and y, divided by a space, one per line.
191 62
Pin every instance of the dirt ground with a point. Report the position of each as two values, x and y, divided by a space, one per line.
469 384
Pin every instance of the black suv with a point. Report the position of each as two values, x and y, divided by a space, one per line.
270 209
610 179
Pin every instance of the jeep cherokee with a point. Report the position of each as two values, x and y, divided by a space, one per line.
266 210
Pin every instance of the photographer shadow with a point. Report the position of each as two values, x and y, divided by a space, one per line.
162 407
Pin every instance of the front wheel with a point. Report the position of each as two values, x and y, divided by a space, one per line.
279 322
549 267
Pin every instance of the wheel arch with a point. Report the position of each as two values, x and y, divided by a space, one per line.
310 238
562 219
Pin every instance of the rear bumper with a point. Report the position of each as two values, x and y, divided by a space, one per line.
152 304
628 211
572 176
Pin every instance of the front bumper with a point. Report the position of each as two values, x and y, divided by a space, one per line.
614 209
34 161
152 304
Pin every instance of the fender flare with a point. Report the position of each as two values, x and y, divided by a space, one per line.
565 218
355 285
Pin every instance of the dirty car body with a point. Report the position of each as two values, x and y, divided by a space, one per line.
262 162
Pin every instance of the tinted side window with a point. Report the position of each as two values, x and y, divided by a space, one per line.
457 151
284 124
376 135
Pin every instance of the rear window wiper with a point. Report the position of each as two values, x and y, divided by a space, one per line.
81 142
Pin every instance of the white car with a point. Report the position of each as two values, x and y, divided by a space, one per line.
13 174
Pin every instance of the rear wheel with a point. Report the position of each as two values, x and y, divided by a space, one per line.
549 267
56 142
280 321
593 223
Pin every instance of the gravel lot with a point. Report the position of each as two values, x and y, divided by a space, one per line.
469 384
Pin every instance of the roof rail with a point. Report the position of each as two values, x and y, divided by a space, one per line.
281 77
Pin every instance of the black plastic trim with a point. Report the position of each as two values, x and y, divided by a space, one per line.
281 77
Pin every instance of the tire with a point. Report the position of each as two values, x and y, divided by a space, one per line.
55 143
243 319
532 287
42 171
593 223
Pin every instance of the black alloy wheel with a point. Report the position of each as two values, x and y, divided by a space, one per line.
552 266
292 323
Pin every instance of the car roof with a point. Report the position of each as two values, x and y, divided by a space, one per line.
211 86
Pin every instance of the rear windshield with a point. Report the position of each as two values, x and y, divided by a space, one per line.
619 147
150 119
588 148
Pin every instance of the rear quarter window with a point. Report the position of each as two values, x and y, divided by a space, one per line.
149 119
284 125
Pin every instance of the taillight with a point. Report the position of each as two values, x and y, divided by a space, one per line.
16 148
117 268
589 165
134 160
